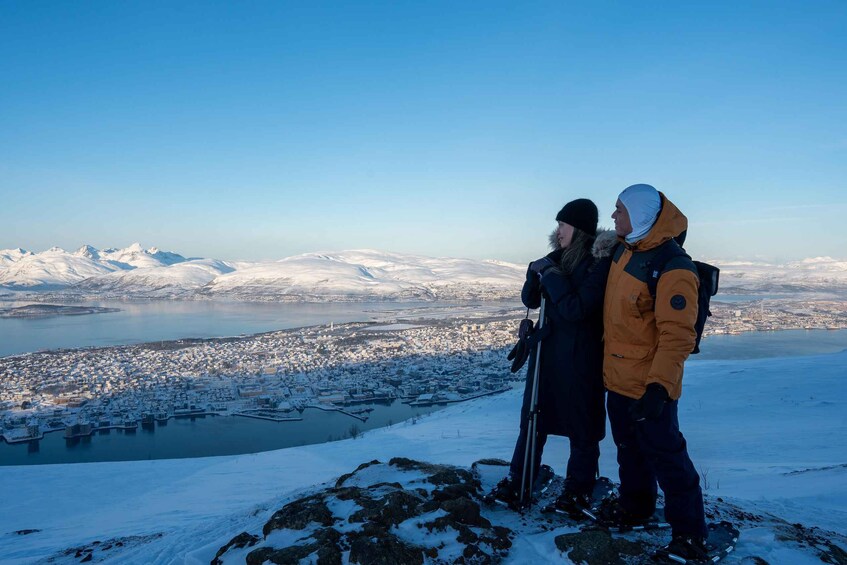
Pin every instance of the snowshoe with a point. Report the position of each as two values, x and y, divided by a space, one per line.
613 517
572 505
507 491
683 549
542 481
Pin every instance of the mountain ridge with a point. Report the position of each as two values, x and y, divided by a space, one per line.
361 274
350 275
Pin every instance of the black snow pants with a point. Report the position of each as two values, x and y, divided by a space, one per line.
651 451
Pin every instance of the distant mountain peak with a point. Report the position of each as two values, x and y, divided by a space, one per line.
18 251
88 251
12 256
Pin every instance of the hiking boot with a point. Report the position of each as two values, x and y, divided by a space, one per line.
684 548
506 492
573 503
613 513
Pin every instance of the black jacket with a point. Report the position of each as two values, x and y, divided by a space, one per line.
571 394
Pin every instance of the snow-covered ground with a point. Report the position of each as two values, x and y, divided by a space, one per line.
769 436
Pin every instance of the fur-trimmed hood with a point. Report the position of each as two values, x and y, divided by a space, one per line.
604 243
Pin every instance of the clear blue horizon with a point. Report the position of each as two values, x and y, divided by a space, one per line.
263 130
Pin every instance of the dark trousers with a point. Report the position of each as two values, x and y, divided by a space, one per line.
651 451
583 463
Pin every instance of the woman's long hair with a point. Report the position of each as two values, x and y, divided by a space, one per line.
578 250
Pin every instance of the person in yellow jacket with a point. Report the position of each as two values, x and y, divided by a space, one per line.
646 343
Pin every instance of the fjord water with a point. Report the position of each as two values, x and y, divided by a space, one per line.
146 321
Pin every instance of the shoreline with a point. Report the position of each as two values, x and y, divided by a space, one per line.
308 316
246 427
187 341
760 314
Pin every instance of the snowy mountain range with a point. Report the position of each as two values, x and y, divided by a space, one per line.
135 272
57 269
770 448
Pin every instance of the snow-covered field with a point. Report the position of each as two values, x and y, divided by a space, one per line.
769 436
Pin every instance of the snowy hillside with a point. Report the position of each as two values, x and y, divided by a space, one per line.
50 270
369 274
351 275
56 268
160 282
9 256
809 275
768 437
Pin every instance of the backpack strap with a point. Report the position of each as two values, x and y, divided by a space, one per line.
656 266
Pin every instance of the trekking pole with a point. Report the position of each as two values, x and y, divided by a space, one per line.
529 453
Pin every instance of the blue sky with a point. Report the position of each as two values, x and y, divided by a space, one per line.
264 129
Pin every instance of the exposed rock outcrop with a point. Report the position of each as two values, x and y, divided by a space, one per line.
404 511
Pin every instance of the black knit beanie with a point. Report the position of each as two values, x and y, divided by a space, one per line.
581 214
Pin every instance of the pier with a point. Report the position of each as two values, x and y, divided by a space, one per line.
268 415
336 409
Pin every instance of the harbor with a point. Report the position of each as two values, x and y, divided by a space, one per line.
205 435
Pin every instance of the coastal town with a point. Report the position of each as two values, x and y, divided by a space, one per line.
276 375
776 314
270 376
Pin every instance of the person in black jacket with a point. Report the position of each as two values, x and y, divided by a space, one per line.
571 396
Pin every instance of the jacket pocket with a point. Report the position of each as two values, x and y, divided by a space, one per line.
633 352
640 305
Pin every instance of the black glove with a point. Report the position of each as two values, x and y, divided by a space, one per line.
540 265
520 352
651 404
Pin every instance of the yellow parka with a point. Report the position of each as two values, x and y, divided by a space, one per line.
647 343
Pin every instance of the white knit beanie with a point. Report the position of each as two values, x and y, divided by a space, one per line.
643 203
